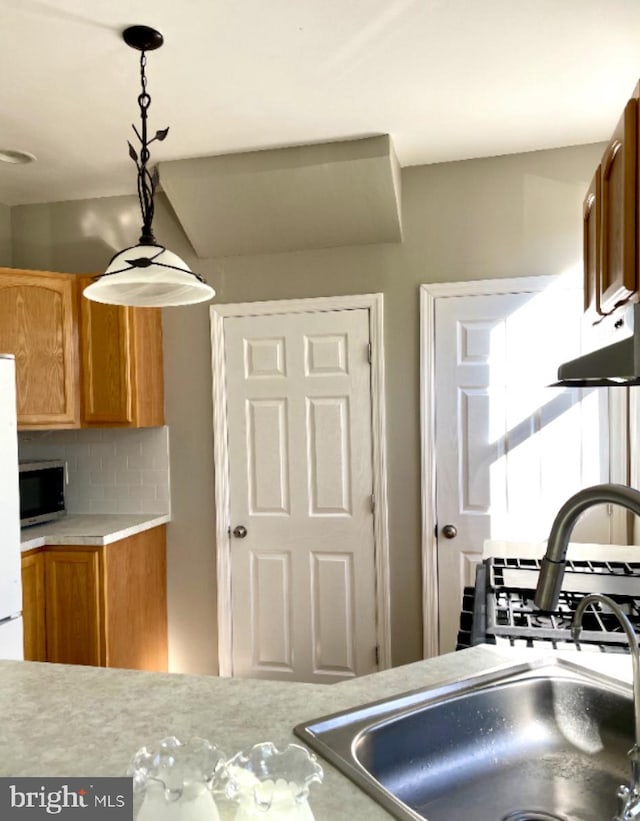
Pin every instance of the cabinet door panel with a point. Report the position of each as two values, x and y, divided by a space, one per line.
105 338
618 247
121 364
38 325
74 630
149 379
591 248
135 584
33 607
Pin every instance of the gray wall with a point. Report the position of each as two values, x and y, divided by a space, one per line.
5 236
518 215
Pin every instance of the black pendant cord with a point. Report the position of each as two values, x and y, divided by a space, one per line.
147 181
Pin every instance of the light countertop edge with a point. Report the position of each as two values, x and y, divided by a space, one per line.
90 529
112 713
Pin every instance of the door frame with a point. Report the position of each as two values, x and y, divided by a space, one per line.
429 293
374 303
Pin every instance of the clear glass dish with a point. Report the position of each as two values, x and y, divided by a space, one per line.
268 783
178 780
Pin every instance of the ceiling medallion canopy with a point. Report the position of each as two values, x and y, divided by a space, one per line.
147 274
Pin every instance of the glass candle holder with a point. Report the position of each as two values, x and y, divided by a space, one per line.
268 783
177 780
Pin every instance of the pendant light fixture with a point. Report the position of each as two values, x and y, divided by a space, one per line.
147 274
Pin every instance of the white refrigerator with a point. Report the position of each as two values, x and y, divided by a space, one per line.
10 582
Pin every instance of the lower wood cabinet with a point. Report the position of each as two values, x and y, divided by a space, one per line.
33 596
75 631
104 606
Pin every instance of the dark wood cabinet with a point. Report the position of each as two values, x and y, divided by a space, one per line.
591 247
611 220
619 185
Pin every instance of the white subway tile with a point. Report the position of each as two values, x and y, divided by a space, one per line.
126 476
101 506
143 459
110 470
147 492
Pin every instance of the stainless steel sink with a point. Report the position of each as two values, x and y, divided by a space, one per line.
533 742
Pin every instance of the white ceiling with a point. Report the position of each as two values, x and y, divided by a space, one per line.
447 79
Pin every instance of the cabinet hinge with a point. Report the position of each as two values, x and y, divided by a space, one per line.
377 656
229 531
373 503
369 353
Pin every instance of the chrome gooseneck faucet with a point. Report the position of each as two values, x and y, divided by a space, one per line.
546 598
628 796
554 561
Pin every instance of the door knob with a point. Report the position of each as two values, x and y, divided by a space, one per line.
240 531
449 531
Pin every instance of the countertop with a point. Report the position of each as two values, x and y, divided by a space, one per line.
84 721
89 529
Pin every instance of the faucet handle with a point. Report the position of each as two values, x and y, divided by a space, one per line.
632 806
628 804
623 799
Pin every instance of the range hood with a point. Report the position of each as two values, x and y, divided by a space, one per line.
616 364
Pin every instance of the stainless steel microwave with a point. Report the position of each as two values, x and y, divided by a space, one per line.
42 491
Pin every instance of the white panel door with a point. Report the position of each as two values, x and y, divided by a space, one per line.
509 450
300 472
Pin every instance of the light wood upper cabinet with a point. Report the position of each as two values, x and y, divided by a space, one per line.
33 606
79 363
38 323
122 371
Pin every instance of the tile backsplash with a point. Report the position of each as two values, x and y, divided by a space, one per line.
110 470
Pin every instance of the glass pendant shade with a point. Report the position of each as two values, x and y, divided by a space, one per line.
148 276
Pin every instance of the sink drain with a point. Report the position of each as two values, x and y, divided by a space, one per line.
532 815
